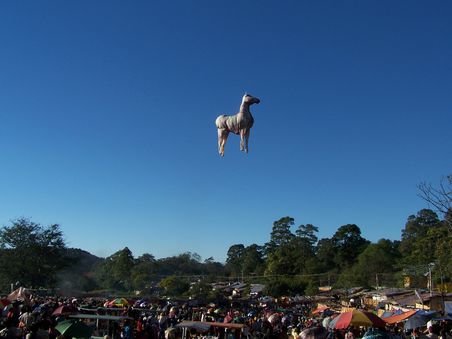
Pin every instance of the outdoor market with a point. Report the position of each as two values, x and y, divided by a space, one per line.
30 316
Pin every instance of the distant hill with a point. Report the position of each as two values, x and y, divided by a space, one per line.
79 276
84 261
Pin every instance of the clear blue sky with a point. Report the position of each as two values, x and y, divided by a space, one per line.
107 118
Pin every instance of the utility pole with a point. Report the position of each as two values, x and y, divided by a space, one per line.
430 281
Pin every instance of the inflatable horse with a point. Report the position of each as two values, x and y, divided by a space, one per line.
240 124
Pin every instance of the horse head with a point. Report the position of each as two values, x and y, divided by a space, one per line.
249 99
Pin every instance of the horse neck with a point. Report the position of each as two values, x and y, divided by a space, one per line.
245 108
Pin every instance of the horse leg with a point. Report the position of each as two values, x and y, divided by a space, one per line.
247 136
222 137
242 140
244 135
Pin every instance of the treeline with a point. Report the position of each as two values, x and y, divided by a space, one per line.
347 259
293 261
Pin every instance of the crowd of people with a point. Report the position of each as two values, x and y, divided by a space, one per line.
37 318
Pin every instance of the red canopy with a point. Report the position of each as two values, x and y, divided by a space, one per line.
64 309
393 319
320 309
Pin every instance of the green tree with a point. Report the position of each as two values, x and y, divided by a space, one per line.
285 286
308 233
201 290
234 259
280 235
414 246
443 255
348 244
243 260
143 272
325 253
281 250
174 286
213 268
183 264
295 257
32 254
252 260
304 248
115 271
282 261
377 264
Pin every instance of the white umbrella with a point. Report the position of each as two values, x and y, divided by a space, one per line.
326 322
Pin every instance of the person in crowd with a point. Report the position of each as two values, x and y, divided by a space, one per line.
127 330
33 333
26 318
416 334
11 331
350 334
431 334
13 314
443 331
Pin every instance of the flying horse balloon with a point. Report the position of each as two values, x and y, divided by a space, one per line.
240 124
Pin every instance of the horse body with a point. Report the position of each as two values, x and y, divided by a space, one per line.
239 123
